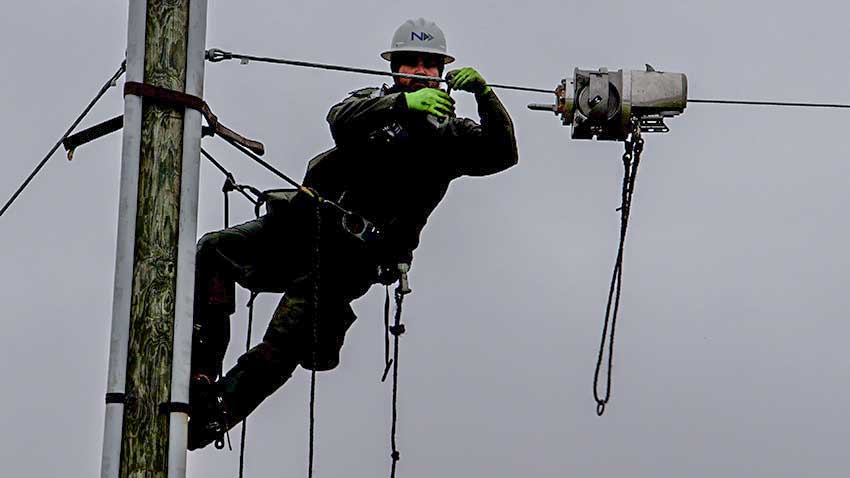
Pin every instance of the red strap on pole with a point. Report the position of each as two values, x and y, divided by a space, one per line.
178 98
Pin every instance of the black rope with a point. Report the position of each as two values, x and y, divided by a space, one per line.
109 83
263 163
388 362
316 277
631 160
216 55
397 329
245 419
309 192
229 186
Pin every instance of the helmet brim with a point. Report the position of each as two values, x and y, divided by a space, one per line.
387 55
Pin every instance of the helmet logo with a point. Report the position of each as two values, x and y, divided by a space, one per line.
421 36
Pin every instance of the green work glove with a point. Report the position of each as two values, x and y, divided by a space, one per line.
467 79
431 101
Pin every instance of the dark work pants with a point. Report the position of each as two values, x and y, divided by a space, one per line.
277 254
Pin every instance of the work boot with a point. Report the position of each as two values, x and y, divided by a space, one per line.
210 337
208 422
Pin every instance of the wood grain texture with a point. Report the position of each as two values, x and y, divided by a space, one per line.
144 445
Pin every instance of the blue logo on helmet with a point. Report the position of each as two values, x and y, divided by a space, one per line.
421 36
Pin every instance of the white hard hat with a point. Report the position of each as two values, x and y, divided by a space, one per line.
419 36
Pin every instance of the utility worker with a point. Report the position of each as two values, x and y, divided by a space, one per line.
397 150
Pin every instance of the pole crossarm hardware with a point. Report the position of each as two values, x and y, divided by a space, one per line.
92 133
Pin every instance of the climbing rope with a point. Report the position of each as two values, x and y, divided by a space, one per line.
230 185
631 160
396 330
247 348
316 277
112 81
388 362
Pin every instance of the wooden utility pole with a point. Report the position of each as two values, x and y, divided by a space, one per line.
151 332
144 443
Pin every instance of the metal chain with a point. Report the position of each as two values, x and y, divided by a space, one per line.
631 161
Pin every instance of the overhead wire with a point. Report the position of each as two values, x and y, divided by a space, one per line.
216 55
770 103
103 89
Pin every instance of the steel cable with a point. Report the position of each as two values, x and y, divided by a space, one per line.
217 55
771 103
109 84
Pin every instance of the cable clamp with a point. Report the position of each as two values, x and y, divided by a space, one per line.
229 183
403 282
215 55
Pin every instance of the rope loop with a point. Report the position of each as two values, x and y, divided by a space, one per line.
631 160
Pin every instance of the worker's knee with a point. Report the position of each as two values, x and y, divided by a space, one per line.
208 244
274 361
316 344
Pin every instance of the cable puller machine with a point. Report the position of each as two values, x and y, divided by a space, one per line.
618 106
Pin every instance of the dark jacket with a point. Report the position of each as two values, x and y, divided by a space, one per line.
394 166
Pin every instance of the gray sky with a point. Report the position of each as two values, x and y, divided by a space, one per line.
730 353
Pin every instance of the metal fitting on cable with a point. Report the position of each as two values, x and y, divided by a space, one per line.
216 54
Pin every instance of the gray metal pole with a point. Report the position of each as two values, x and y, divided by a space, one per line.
127 207
186 240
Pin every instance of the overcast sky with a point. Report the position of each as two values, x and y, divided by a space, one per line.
731 352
